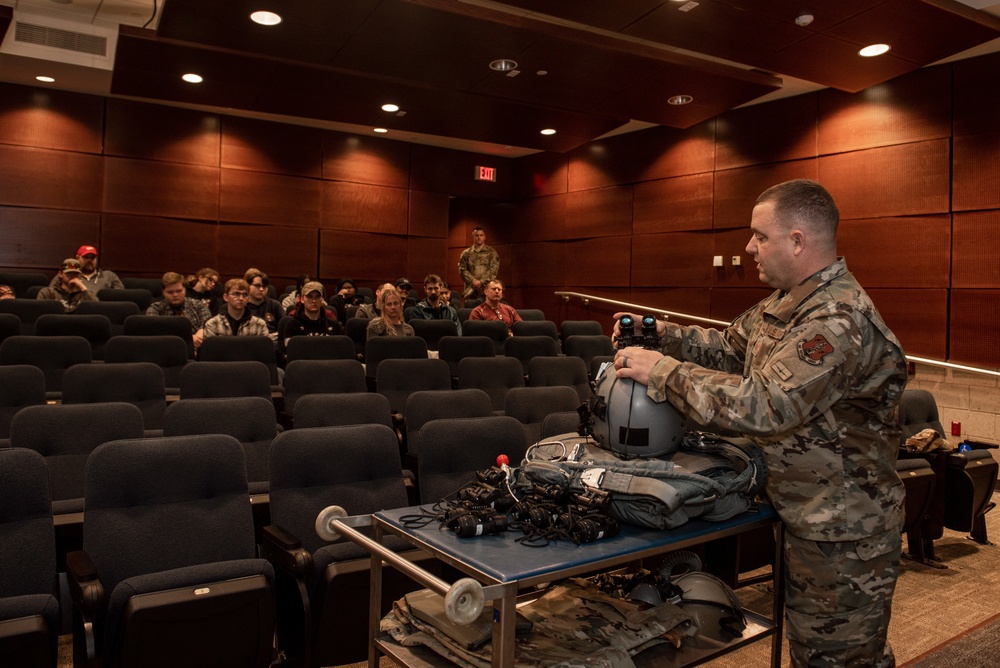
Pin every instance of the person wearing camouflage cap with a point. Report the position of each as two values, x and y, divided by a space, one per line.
813 375
69 287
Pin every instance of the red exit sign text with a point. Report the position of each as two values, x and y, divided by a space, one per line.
486 173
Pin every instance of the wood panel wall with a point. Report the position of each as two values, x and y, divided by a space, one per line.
159 189
914 164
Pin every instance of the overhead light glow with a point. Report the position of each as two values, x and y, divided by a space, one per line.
265 18
45 79
391 108
190 77
503 65
874 50
548 131
680 99
381 131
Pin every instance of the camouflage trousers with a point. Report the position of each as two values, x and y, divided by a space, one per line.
838 599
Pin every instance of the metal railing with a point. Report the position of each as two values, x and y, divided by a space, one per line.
640 308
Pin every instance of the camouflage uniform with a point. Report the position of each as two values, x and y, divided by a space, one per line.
482 264
814 377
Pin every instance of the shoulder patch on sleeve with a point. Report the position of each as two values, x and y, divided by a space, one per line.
814 350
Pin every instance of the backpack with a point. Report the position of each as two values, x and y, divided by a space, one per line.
709 477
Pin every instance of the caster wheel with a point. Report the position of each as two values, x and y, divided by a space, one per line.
464 601
324 528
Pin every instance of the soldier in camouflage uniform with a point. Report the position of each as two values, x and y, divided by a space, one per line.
479 264
814 376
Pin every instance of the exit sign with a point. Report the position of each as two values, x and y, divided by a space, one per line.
486 173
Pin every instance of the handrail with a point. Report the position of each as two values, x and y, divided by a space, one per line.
639 308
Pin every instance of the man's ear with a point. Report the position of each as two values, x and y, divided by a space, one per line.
798 240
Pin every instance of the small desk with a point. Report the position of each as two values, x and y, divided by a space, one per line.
504 566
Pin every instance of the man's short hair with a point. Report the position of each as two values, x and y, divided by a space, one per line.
496 280
478 229
236 283
253 273
170 278
432 279
804 202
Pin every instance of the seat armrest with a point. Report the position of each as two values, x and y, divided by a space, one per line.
86 590
285 551
981 445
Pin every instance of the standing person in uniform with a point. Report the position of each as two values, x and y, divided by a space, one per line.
478 264
812 375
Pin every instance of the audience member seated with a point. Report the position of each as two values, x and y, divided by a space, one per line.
69 288
347 295
235 319
200 287
259 304
94 278
294 298
494 309
390 323
449 297
374 310
310 318
176 302
432 306
7 292
405 289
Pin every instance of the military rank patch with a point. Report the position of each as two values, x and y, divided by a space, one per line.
783 372
814 350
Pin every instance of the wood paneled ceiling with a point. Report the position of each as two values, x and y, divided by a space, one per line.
584 67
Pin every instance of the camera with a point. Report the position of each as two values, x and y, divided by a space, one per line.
473 524
646 336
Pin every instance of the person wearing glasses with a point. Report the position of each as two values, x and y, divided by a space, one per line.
200 287
234 319
176 302
310 317
494 309
267 309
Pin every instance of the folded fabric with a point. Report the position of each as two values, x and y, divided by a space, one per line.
927 441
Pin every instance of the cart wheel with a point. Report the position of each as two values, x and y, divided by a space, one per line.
464 601
324 520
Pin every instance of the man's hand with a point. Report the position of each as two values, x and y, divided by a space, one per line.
478 285
78 285
661 326
197 338
636 363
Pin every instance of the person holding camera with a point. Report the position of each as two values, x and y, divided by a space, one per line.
69 287
813 375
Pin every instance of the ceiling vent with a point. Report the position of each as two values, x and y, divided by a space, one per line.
57 38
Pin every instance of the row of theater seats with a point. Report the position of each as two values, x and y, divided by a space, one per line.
180 582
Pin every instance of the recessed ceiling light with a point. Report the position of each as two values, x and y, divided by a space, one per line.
381 131
190 77
503 65
265 18
45 79
548 131
874 50
680 99
391 108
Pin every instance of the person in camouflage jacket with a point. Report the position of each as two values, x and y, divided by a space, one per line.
814 376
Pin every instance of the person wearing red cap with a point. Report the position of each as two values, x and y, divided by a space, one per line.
94 278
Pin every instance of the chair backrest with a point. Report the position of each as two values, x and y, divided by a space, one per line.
356 467
565 371
531 314
66 435
367 293
524 348
141 297
10 325
194 499
205 380
451 349
153 285
397 379
493 375
160 325
20 385
452 450
432 331
357 330
333 410
530 405
52 354
588 346
29 310
137 383
27 536
311 376
426 405
918 411
338 347
250 420
95 328
382 348
496 330
463 314
536 328
167 352
241 349
563 422
116 312
568 328
22 280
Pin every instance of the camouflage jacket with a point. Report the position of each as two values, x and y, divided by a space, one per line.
482 264
814 377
